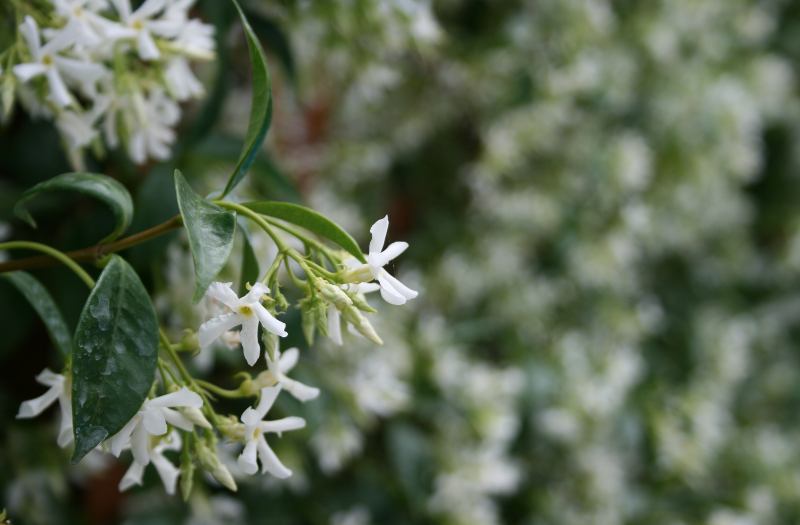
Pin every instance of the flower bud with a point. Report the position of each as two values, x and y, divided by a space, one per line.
270 342
189 341
354 317
210 461
332 293
194 415
187 468
361 303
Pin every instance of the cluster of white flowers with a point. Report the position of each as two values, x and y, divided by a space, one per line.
100 69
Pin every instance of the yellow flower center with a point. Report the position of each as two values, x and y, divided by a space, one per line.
137 24
47 60
245 310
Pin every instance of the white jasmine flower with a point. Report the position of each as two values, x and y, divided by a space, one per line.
47 62
154 134
246 311
82 20
196 40
180 80
78 130
283 363
60 389
166 470
253 437
392 290
152 418
140 25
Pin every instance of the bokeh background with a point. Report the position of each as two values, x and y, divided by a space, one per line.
602 200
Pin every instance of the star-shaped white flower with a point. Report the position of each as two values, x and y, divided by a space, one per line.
47 61
246 311
166 470
283 363
153 134
83 19
142 25
392 290
152 418
60 390
253 436
180 80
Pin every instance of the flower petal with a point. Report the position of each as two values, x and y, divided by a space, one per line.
394 249
215 327
250 340
79 71
65 433
378 231
251 418
254 295
334 326
49 378
168 472
268 396
300 391
30 32
120 438
132 477
271 324
123 8
389 294
177 419
58 90
222 292
146 46
247 459
34 407
139 440
26 72
288 359
182 398
399 287
149 8
154 421
282 425
367 287
269 461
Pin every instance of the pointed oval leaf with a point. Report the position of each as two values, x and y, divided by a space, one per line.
41 300
260 110
114 355
309 220
210 229
94 185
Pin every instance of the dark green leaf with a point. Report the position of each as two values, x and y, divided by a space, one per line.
114 356
250 268
309 220
210 229
94 185
41 300
261 109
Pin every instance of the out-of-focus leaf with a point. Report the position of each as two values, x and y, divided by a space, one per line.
261 109
114 356
275 39
309 220
41 300
94 185
250 268
210 230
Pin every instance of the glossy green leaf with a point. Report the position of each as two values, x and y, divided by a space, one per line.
309 220
41 300
210 229
260 110
114 356
250 270
94 185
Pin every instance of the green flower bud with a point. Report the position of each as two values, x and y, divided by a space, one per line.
210 461
187 467
332 293
354 317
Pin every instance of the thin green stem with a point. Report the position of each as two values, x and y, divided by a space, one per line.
52 252
230 394
274 268
319 269
258 219
297 282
